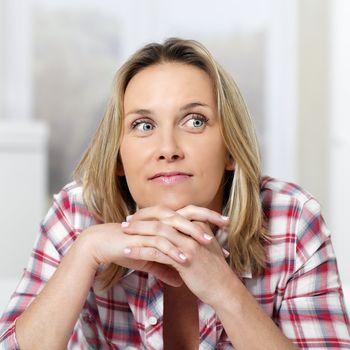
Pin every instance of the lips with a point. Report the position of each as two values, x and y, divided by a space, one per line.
170 178
170 174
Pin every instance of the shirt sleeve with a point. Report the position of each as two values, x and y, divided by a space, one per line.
312 313
56 235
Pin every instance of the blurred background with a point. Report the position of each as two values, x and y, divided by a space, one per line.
58 58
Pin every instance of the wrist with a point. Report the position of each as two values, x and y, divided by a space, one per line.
85 247
230 291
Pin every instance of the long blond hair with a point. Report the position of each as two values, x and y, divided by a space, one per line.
107 195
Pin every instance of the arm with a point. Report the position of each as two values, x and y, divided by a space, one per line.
45 259
55 288
245 323
309 308
312 313
49 320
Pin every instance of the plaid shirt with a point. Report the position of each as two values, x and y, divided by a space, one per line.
299 289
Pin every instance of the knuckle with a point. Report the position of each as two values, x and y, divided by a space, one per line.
191 248
170 218
168 248
162 244
164 210
157 241
158 226
185 210
189 256
191 207
136 252
201 225
154 253
172 251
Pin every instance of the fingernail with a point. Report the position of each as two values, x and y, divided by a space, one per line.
125 224
207 237
225 217
128 218
182 256
226 253
127 250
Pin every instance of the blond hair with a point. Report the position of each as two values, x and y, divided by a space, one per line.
107 195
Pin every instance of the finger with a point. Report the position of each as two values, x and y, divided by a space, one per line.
157 212
169 227
192 212
226 253
159 245
152 254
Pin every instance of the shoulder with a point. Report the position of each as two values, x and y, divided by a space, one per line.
71 201
68 213
293 217
277 190
287 200
71 195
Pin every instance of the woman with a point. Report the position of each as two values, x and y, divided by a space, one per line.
170 238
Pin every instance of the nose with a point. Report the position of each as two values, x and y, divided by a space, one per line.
169 146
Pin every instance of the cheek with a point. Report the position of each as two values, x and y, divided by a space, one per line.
215 169
134 160
129 155
214 158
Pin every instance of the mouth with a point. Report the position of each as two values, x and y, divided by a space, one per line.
172 177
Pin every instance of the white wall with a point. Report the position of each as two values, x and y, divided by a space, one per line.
339 145
281 91
323 117
22 147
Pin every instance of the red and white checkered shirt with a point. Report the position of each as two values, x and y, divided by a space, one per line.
299 289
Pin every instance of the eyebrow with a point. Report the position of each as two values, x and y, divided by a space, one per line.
182 109
192 105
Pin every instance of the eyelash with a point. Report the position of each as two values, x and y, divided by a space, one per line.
195 116
200 117
137 122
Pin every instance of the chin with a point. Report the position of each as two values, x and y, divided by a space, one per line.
178 202
170 201
173 205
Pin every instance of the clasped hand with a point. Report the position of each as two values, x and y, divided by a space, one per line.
175 246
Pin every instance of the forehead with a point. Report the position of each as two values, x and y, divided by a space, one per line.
170 81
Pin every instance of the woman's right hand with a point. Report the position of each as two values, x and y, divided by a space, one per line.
107 243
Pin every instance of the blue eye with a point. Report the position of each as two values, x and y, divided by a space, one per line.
196 122
142 125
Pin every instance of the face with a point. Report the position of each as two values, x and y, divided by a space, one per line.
172 150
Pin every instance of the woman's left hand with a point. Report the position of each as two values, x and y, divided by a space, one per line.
204 270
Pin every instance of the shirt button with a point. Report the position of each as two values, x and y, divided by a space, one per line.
152 321
87 317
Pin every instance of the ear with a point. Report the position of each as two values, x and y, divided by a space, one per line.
230 163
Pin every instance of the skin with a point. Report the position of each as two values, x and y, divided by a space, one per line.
166 127
154 105
170 235
172 125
